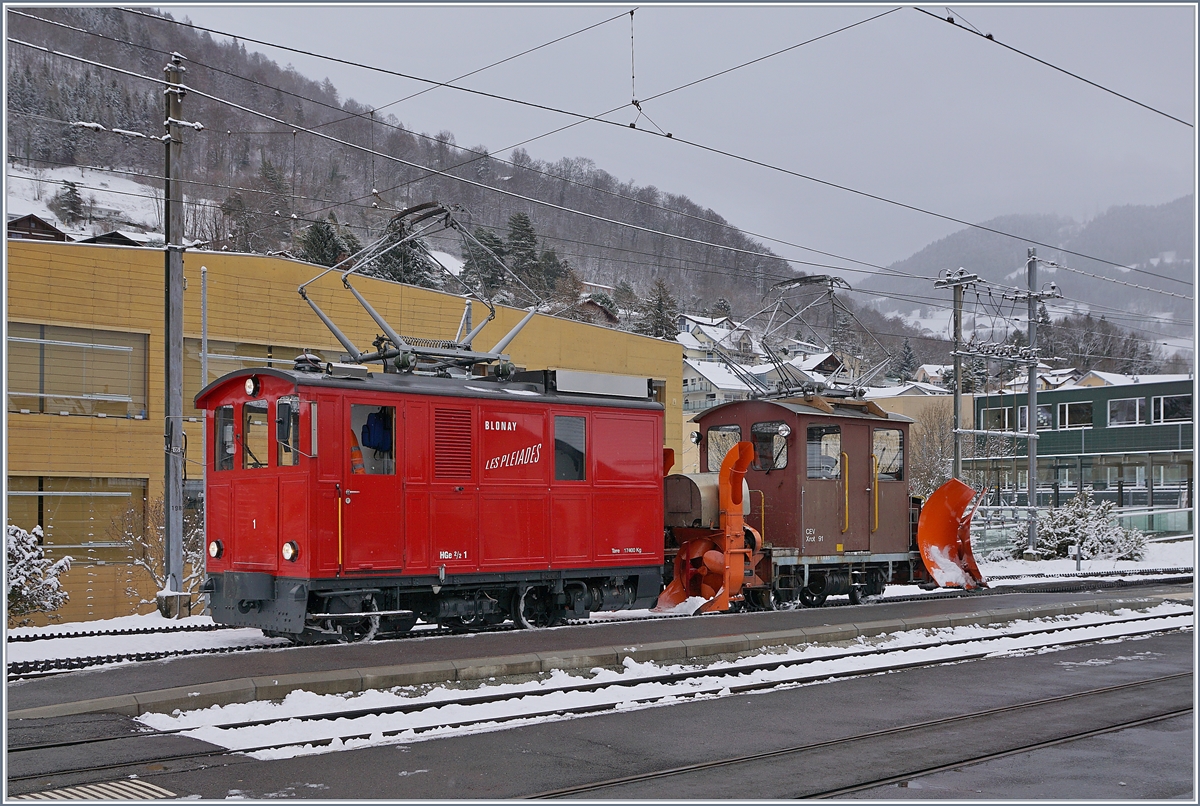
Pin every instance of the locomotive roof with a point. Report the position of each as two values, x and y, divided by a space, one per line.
403 383
818 407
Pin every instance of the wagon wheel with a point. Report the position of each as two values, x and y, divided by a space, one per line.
810 599
534 609
856 594
361 631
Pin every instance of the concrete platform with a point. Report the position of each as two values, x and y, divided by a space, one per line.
189 683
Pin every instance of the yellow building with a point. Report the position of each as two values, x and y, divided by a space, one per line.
86 379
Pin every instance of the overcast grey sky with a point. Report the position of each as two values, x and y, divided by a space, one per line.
905 106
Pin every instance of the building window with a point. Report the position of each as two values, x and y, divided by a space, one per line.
1044 419
76 370
994 419
887 445
1075 415
94 520
770 447
570 448
824 451
1128 411
721 439
1172 409
226 356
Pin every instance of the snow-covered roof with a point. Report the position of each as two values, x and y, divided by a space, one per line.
724 322
908 388
716 373
723 337
452 263
689 341
1117 379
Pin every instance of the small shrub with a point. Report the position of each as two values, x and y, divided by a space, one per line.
31 578
1085 522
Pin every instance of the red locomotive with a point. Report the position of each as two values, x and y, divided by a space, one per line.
342 503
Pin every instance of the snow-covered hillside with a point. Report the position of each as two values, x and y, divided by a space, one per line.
111 201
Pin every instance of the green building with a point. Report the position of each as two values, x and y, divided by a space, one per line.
1126 438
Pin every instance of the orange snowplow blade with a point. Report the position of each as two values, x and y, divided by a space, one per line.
944 537
712 563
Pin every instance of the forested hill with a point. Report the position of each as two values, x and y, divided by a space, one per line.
1156 239
242 168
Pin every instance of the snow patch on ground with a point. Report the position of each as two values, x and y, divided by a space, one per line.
30 190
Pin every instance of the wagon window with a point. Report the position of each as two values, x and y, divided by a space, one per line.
824 451
287 420
570 448
254 434
721 439
770 447
888 447
224 449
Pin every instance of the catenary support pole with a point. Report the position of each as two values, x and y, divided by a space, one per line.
958 384
1031 416
173 328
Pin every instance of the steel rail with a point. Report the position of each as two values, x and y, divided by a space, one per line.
932 723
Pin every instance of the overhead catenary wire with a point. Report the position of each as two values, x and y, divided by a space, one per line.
605 191
690 143
990 38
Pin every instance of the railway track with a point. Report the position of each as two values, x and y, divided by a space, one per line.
759 674
954 723
33 669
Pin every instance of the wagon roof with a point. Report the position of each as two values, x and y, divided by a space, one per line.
475 388
818 407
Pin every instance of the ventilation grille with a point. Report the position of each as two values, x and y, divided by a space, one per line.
452 443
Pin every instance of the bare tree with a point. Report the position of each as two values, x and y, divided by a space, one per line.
931 460
142 530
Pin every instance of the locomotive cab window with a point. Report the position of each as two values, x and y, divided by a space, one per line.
824 451
570 448
887 445
224 448
721 439
373 436
254 434
770 445
287 431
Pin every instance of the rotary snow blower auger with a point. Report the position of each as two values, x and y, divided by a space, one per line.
715 563
944 537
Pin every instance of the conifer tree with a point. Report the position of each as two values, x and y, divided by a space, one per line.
659 313
320 244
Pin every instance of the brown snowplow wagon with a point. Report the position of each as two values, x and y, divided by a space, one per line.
814 503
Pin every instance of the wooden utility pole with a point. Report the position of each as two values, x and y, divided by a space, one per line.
957 280
173 327
1031 417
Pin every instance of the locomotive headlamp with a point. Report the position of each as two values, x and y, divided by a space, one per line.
695 437
290 551
215 549
252 386
785 430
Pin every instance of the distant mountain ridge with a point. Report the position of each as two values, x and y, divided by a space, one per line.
1154 238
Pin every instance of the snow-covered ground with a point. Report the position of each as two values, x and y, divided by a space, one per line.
536 700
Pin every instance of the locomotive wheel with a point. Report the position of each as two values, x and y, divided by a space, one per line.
357 632
534 610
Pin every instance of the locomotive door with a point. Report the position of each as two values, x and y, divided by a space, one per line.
834 494
889 531
371 503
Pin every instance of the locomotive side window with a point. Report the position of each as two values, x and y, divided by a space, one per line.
254 434
372 428
287 435
721 439
224 449
824 451
888 447
770 446
570 448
